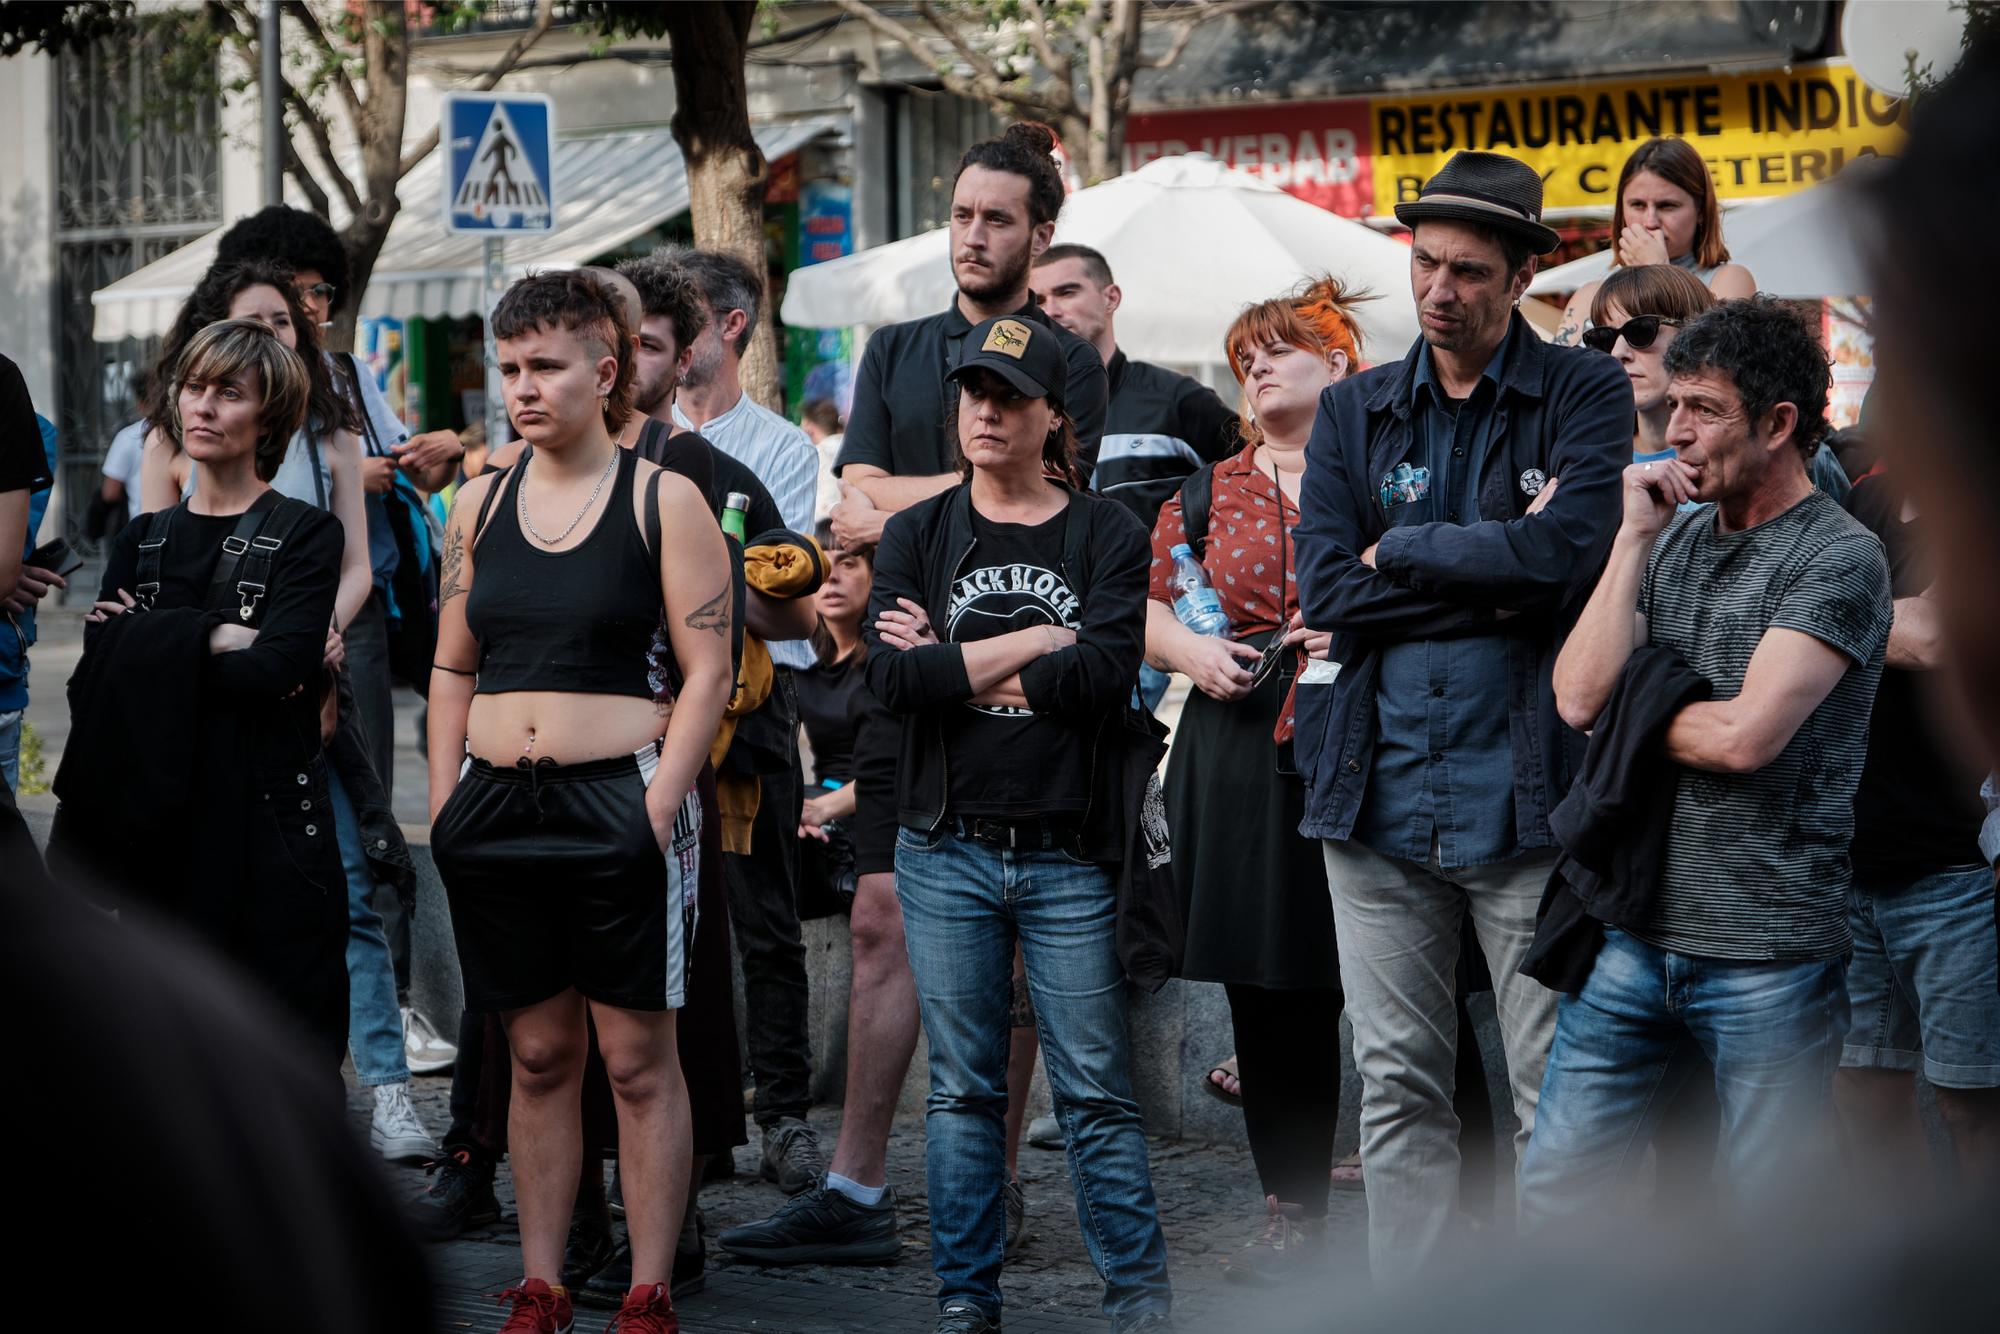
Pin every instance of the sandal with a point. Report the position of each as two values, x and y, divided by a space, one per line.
1225 1070
1347 1173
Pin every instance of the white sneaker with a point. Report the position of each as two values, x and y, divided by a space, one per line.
397 1133
425 1052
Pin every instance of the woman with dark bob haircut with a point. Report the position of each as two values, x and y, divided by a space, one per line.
1665 212
195 780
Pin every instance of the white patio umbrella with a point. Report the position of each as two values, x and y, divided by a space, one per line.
1190 241
1799 246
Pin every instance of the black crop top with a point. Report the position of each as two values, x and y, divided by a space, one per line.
587 621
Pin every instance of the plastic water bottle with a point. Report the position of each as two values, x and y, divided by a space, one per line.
1195 602
735 508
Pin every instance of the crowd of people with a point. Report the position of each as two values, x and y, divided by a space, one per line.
1577 670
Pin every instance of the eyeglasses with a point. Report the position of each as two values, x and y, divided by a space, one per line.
1638 333
324 291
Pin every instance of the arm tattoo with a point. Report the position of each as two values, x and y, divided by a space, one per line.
454 563
1565 336
712 614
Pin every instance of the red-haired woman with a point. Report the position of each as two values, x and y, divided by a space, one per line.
1259 918
1665 212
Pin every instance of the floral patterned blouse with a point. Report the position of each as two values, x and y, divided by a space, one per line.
1254 572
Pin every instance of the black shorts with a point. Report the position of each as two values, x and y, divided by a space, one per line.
556 880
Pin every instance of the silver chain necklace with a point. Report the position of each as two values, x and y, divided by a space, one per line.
521 496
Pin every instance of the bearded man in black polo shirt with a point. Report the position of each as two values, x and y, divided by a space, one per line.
898 450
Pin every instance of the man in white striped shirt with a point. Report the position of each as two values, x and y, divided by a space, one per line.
763 889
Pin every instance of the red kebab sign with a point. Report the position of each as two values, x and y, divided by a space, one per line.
1315 150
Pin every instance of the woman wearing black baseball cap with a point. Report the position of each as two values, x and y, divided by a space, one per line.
1006 624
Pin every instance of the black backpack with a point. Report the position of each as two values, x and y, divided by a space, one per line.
1197 496
413 588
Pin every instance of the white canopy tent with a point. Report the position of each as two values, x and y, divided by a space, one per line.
1190 241
1799 246
609 189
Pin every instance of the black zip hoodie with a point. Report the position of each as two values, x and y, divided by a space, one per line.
1105 559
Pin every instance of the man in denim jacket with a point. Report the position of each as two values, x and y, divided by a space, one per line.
1458 505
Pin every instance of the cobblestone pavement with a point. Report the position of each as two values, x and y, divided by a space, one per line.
1209 1206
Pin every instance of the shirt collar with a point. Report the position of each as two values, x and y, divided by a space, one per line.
1496 371
713 423
957 326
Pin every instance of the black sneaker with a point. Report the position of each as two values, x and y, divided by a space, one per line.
691 1255
589 1250
460 1197
792 1156
956 1319
820 1226
607 1289
1016 1201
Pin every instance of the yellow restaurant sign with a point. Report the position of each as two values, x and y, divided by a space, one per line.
1767 132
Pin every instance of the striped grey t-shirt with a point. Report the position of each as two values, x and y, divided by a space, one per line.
1757 863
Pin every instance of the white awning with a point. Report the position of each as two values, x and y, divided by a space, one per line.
609 189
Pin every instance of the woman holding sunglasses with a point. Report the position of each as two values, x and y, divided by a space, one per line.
1259 918
1634 317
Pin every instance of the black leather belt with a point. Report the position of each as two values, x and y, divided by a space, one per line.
1039 831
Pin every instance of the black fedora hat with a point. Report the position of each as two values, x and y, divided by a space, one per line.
1492 188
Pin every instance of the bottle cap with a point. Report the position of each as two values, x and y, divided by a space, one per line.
736 500
1181 549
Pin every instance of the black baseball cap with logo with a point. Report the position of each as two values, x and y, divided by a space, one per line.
1023 352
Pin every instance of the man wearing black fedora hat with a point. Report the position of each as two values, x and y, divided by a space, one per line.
1458 505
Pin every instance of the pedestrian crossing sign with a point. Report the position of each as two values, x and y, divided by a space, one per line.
499 155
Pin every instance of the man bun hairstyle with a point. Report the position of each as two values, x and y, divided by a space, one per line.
668 290
1770 353
292 237
1094 263
1027 149
577 303
227 348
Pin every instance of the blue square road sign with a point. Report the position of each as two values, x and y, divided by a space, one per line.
499 159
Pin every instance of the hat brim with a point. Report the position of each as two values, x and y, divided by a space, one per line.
1540 238
1007 369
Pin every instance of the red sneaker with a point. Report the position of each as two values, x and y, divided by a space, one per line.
538 1309
647 1310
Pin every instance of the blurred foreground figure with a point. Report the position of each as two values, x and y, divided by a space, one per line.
207 1122
1935 382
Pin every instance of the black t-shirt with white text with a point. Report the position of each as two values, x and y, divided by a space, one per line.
1002 761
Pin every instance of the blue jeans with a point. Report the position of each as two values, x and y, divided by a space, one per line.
10 747
1626 1043
965 904
374 1021
1922 983
1152 687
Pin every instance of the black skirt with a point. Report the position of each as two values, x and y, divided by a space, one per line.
1253 889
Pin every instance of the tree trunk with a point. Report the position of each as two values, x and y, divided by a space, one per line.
386 53
727 174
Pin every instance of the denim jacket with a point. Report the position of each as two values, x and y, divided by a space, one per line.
1564 413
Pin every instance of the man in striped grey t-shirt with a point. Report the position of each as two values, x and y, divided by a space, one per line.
1771 591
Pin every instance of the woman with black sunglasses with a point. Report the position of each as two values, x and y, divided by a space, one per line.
1634 317
1259 917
